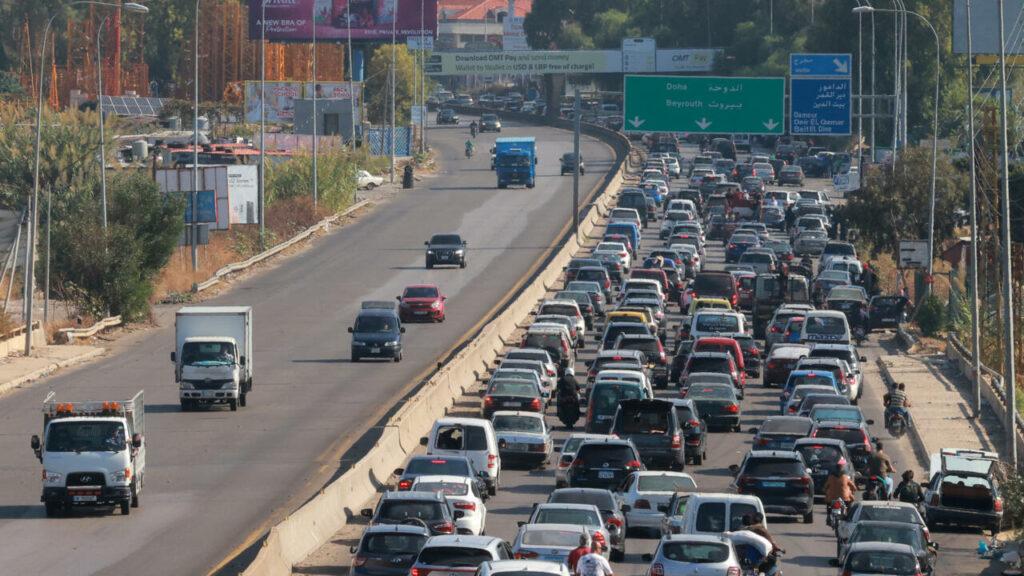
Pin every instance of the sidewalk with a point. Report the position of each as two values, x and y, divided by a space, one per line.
16 371
940 406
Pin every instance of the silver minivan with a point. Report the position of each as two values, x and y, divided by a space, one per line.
473 438
714 513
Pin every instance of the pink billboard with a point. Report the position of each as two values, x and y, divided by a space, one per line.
292 20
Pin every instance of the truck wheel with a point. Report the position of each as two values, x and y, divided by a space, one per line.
398 357
355 357
462 264
186 405
125 507
53 509
135 496
233 404
809 517
429 264
530 185
241 400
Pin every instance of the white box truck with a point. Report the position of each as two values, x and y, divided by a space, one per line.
93 453
213 355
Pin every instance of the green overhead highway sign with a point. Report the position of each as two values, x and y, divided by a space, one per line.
702 104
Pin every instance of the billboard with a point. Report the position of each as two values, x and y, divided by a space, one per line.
280 105
685 60
985 27
532 62
513 35
289 20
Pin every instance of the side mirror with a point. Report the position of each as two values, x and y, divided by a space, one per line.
241 361
870 422
648 557
934 545
458 514
350 330
137 441
353 549
863 358
545 395
366 512
399 298
35 442
464 243
520 523
424 441
399 471
443 298
753 430
874 439
402 330
483 474
734 470
625 508
174 356
663 508
426 243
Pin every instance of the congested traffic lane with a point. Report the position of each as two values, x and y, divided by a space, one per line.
809 547
215 477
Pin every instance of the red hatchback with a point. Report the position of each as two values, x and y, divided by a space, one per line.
421 302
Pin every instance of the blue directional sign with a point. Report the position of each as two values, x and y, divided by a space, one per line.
820 106
831 65
207 206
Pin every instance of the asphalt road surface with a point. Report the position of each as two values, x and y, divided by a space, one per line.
809 547
216 477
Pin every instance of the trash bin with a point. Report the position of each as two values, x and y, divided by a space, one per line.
407 177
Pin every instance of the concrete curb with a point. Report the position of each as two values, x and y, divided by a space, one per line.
906 339
920 450
52 367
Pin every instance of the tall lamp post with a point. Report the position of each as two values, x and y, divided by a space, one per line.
935 130
34 201
194 217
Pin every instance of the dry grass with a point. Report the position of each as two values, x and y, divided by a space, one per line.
53 328
178 275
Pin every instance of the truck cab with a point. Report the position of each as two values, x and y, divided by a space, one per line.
93 454
515 160
213 355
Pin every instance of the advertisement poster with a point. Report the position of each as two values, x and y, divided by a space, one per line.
533 62
280 106
513 35
370 19
243 187
332 90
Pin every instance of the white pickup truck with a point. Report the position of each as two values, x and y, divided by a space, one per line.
93 453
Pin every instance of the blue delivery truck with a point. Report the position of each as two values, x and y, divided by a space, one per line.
515 160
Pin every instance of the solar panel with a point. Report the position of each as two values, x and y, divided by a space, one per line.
134 106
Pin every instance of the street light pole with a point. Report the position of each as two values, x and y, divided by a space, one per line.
99 106
975 308
263 116
316 119
194 216
394 53
33 201
351 73
860 94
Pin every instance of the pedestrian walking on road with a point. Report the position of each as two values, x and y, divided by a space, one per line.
594 564
579 552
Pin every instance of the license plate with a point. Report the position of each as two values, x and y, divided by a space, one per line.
374 350
515 446
603 417
510 404
605 475
773 484
888 319
444 256
420 312
85 498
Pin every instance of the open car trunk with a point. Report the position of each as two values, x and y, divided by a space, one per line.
966 493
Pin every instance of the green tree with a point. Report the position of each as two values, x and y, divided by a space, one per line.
894 205
112 269
378 87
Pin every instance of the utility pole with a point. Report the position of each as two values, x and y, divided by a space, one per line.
973 278
194 217
316 119
394 62
872 90
263 120
1009 379
351 72
576 171
103 151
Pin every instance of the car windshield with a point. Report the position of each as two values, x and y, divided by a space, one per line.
711 393
664 483
390 544
819 454
816 379
91 436
606 398
709 364
446 239
614 455
437 467
399 510
513 388
830 325
786 426
717 323
695 552
602 500
207 353
575 516
421 292
852 437
545 538
879 562
447 488
643 421
378 324
511 423
885 513
851 414
898 534
455 556
773 467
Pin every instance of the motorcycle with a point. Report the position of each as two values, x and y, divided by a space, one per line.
896 422
835 511
569 409
859 336
472 130
875 489
469 152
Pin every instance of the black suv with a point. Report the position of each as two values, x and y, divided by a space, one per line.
652 349
654 428
447 116
489 123
603 463
569 163
428 507
445 249
780 479
636 199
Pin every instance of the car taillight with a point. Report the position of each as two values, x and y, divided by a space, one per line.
577 463
444 527
405 484
731 408
635 465
359 560
598 536
661 352
935 499
565 461
491 460
419 572
998 505
804 480
642 504
763 441
676 442
535 404
552 372
656 569
693 423
731 246
526 554
463 505
732 571
489 402
613 522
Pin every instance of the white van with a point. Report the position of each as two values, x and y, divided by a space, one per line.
714 513
825 327
473 438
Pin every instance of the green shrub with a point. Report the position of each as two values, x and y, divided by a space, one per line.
931 318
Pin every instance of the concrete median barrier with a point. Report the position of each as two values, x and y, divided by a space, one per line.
294 538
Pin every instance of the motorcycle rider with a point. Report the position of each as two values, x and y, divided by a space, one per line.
472 128
908 490
880 466
896 401
469 148
568 390
754 522
839 486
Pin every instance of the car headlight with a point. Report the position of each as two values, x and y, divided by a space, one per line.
392 343
435 304
403 305
120 477
358 343
460 251
52 477
429 252
228 386
187 385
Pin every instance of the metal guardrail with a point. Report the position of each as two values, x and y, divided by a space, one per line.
72 333
236 266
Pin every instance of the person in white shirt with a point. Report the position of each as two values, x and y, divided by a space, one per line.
594 564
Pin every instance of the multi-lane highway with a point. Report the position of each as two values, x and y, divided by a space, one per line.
215 478
809 547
